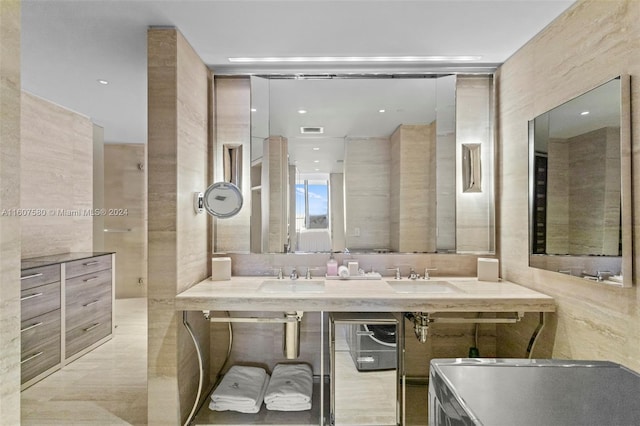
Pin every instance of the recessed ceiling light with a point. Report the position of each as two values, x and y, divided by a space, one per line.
302 111
317 170
315 148
381 110
103 82
433 58
584 113
316 161
253 110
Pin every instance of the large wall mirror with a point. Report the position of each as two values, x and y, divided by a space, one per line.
369 164
580 186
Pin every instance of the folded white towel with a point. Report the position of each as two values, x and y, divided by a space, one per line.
241 389
303 406
290 388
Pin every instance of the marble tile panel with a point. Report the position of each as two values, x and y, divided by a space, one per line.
587 45
10 244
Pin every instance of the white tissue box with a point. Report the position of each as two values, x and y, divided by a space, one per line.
353 268
487 269
220 268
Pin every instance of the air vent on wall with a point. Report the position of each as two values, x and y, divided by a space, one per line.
312 130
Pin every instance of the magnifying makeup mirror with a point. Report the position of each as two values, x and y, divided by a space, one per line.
223 199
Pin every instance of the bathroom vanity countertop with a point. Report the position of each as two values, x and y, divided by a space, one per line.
53 259
242 294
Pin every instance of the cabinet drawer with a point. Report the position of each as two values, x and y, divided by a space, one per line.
42 357
85 335
36 330
35 277
83 289
87 266
39 300
82 314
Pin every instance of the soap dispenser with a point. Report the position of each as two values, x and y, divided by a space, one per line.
332 266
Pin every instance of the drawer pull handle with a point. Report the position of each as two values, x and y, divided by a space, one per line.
90 279
364 333
30 357
90 303
31 296
95 262
365 359
26 277
92 327
31 327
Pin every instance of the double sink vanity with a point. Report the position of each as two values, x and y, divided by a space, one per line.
418 302
442 294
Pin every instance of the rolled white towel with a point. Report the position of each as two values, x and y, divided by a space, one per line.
242 388
343 272
290 388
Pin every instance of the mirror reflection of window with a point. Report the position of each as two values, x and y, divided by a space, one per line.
312 214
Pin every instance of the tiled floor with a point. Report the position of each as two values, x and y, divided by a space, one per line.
108 386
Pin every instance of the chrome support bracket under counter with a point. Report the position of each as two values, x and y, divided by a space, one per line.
279 320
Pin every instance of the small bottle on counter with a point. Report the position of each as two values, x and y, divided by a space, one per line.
332 267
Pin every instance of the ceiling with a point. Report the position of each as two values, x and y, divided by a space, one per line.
68 45
350 108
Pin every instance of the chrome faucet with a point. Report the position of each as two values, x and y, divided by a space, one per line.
294 274
398 277
413 275
279 273
308 274
426 272
603 275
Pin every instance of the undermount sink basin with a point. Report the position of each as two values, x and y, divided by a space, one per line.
422 286
292 286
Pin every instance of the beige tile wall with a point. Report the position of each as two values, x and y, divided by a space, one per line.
98 187
584 200
232 125
366 179
274 194
589 44
177 237
56 175
474 214
125 191
413 189
10 199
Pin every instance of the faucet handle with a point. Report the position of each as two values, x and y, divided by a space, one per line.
308 274
397 269
412 274
426 272
294 274
279 272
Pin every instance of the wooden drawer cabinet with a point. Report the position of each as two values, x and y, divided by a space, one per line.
87 333
40 342
39 300
35 277
87 266
83 288
81 313
84 320
42 357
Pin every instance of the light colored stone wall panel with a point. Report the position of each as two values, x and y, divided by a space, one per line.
233 125
125 188
10 199
590 43
56 177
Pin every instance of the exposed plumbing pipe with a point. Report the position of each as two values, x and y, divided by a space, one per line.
201 369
